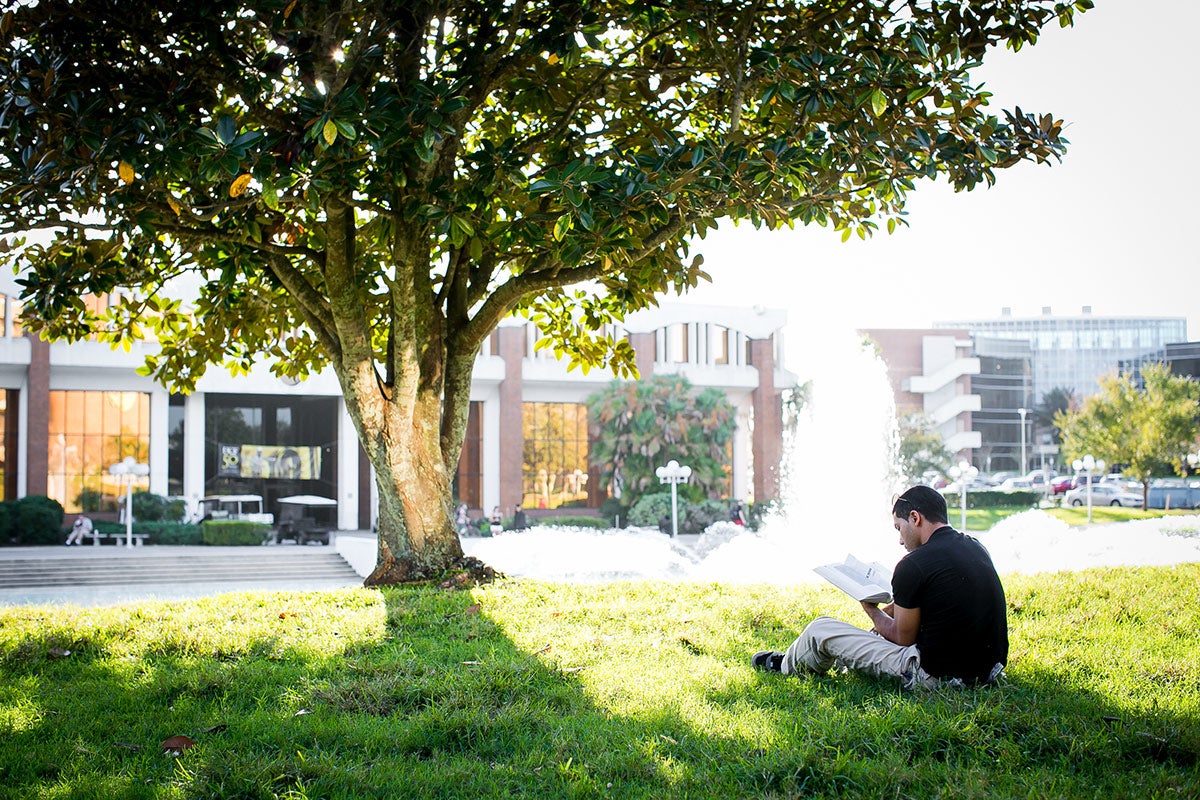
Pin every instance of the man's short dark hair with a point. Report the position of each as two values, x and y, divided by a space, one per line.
928 501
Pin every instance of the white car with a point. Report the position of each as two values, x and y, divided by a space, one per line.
1103 494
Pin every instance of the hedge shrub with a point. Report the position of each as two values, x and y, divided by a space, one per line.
36 519
233 532
694 517
985 498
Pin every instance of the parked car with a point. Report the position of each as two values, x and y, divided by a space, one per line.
1016 485
1103 494
1061 484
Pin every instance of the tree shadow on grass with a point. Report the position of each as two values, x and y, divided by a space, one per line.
421 693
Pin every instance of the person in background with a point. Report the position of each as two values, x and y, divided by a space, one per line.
736 515
82 527
520 523
496 519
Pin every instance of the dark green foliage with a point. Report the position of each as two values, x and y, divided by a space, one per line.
758 511
166 533
574 522
6 513
89 500
694 516
993 499
148 507
37 519
233 532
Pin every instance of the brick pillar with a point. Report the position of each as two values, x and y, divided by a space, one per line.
37 417
512 430
645 346
767 444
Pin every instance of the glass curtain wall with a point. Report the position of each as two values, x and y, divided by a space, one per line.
89 432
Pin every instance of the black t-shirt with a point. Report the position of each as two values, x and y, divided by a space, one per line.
964 622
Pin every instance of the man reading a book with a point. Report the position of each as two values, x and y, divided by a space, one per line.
948 622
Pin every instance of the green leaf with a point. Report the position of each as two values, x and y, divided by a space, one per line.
879 102
226 130
561 227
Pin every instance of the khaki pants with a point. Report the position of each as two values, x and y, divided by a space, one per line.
827 642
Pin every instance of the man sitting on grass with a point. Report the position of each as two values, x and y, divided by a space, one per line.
948 622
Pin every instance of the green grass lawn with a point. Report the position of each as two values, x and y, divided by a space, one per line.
618 690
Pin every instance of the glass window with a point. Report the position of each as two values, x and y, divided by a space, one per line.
719 344
555 469
175 434
89 432
678 342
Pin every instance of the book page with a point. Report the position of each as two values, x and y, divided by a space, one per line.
870 582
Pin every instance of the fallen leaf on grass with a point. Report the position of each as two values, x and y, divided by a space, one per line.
177 744
215 728
286 614
301 712
58 652
569 670
473 609
543 649
133 747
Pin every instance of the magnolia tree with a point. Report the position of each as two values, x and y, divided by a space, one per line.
371 187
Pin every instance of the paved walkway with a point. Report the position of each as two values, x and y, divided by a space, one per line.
355 546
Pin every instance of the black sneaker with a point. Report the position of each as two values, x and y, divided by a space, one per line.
767 661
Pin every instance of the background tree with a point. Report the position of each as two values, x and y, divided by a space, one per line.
373 186
641 425
922 449
1058 399
1149 430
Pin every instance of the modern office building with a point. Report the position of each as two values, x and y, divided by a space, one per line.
1074 352
71 411
981 381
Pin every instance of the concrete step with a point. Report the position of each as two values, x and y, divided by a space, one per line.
131 569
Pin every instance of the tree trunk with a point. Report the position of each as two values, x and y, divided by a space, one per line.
402 440
417 540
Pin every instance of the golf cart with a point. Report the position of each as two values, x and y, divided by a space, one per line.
247 507
305 518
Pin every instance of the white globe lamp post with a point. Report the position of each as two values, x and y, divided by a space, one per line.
674 474
127 469
963 473
1087 465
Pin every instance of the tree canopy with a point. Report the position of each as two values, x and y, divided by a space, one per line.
372 186
1149 429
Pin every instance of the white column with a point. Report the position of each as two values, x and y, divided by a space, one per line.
160 420
347 470
741 448
193 450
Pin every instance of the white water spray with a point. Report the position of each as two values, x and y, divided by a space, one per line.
838 483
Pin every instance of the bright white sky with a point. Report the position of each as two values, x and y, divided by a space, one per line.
1109 227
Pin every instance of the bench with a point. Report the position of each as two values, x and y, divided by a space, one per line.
119 538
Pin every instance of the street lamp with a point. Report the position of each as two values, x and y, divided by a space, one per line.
963 473
1086 465
1023 412
673 474
127 469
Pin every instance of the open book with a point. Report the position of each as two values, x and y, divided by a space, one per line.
870 582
